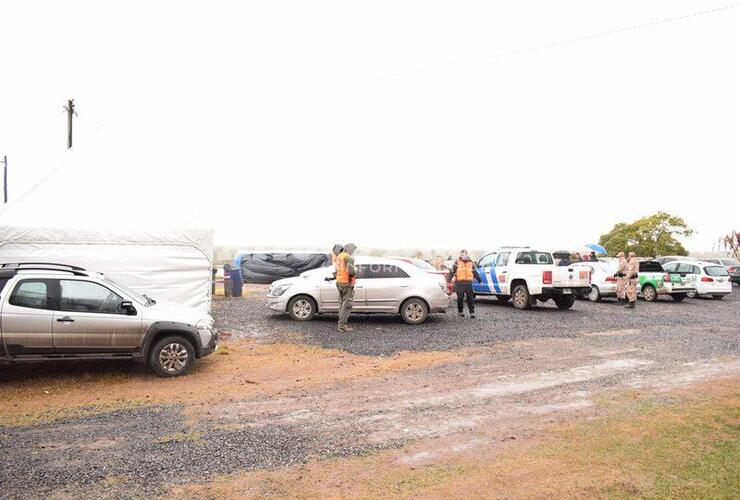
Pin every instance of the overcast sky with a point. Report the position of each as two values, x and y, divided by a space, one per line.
402 124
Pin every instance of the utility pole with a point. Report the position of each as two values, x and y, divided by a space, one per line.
70 109
5 178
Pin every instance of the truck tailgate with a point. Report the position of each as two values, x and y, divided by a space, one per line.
568 277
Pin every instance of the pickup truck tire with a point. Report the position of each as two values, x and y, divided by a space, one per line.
414 311
678 297
649 293
692 295
302 308
521 297
503 298
171 356
594 295
565 301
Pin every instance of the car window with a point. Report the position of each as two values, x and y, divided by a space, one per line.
31 293
729 262
3 282
371 271
487 260
86 296
687 268
650 266
671 267
502 259
716 271
533 258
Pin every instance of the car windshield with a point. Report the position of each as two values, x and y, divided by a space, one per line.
128 291
422 264
716 271
534 258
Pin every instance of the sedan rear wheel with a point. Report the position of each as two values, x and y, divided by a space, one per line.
414 311
594 295
649 293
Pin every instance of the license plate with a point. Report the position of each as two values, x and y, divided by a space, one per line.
566 291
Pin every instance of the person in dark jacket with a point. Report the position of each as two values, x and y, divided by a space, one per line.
463 272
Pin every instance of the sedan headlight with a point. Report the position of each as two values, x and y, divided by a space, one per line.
277 291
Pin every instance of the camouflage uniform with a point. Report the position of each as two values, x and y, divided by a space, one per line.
621 277
631 270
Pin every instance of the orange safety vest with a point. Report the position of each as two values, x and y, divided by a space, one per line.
343 277
333 258
464 270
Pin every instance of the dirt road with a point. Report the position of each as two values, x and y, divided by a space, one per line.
295 409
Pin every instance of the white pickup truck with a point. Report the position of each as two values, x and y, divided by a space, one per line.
527 275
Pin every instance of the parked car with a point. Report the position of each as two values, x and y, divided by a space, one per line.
55 311
603 282
733 268
527 275
653 281
426 266
663 259
383 286
710 279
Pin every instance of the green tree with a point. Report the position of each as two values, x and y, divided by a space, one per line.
650 236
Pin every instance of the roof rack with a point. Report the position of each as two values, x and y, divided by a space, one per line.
17 264
29 266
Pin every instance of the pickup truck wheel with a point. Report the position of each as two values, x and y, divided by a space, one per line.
171 356
594 295
414 311
692 295
678 297
649 293
302 308
565 301
521 297
503 298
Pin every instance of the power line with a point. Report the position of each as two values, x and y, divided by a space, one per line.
560 43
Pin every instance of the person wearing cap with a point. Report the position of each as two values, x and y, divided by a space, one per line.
463 272
335 251
346 277
621 278
631 270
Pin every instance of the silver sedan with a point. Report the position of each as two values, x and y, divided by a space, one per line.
386 286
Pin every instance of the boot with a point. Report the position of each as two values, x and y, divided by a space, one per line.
461 314
630 305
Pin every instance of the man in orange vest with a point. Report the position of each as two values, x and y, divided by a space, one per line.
463 272
345 276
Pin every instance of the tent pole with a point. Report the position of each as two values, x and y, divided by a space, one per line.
5 178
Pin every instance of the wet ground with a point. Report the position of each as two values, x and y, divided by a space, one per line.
290 393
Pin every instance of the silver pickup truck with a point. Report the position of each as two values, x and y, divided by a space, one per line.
55 311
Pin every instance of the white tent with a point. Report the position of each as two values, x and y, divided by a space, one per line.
92 213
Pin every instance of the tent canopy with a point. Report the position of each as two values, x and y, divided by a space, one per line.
89 213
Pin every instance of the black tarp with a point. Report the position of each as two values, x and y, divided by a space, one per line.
267 267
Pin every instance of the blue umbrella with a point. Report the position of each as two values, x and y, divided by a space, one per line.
597 248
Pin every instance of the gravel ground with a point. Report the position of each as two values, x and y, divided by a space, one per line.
145 450
566 359
495 322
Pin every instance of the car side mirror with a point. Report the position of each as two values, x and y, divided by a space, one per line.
128 307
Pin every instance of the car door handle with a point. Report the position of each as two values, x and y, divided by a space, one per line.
359 286
403 286
65 319
503 272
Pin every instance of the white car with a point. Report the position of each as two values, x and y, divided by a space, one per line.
526 276
383 286
710 279
603 282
